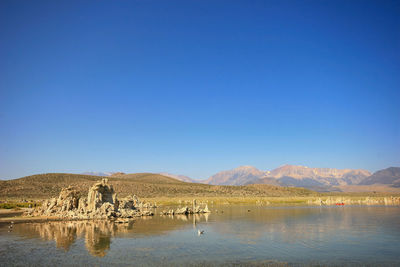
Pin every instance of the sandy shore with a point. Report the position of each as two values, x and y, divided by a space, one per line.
23 219
7 216
11 211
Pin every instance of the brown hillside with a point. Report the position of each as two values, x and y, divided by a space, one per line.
145 185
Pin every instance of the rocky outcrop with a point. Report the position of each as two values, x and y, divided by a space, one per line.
186 210
100 203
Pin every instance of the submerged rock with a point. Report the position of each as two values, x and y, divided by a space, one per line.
101 203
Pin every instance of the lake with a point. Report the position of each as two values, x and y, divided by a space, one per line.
233 235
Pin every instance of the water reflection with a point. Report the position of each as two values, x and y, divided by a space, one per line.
306 225
255 233
98 234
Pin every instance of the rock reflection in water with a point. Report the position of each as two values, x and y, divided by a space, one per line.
98 237
97 234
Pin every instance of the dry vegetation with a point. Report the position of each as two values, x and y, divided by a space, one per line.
145 185
161 189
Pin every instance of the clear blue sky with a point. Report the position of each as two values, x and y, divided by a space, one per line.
195 87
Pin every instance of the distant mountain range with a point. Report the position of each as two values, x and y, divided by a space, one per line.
289 175
182 178
239 176
389 176
318 179
98 173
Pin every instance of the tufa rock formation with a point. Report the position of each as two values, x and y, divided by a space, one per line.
387 201
101 203
186 210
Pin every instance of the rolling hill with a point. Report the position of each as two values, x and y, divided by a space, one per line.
145 185
179 177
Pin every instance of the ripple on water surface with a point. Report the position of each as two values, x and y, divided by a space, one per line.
279 236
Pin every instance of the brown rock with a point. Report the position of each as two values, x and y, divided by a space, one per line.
101 203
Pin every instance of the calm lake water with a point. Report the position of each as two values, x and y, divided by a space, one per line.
279 236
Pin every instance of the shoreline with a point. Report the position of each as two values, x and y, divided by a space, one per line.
280 201
40 219
318 200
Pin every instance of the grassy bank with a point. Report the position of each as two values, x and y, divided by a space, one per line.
16 205
162 201
278 201
320 200
150 187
